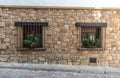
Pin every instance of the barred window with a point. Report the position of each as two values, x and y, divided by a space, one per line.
92 35
30 35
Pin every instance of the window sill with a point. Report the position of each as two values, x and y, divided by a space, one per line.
91 49
27 49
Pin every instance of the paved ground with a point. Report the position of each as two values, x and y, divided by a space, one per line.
24 73
24 70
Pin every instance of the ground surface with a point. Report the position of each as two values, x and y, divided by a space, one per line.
24 73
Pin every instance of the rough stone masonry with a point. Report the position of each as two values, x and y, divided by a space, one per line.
61 36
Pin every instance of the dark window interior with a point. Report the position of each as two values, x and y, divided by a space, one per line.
91 37
36 30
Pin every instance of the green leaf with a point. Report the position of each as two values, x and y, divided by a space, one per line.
27 42
97 42
31 41
92 42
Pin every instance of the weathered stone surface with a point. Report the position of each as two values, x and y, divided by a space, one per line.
49 41
4 58
74 58
62 62
48 32
53 62
66 56
114 24
83 57
41 59
6 40
58 57
2 47
109 58
13 59
35 61
61 38
50 58
2 24
9 22
23 59
76 63
2 35
73 28
0 12
84 62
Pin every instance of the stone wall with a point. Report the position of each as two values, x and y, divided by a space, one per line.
61 36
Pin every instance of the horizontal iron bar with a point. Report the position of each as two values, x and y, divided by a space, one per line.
91 24
31 23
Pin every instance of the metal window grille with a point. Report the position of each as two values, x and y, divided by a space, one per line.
33 30
92 36
30 31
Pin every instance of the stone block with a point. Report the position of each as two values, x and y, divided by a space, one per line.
53 62
49 41
0 12
58 57
34 61
105 63
62 61
109 58
2 46
2 35
2 30
75 32
73 28
58 42
2 24
7 40
76 63
23 59
9 22
48 32
114 24
4 58
50 58
84 62
13 59
83 57
69 63
42 59
66 56
74 58
14 32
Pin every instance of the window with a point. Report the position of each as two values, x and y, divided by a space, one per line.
30 35
92 35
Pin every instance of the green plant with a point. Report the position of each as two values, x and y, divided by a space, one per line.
91 43
85 42
31 41
97 42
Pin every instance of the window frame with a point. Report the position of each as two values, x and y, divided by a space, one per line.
20 26
103 26
93 33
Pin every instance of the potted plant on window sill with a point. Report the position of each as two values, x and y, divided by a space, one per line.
31 41
88 43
